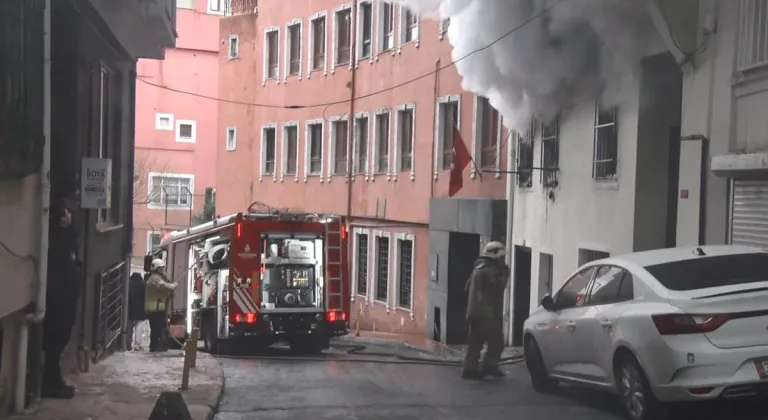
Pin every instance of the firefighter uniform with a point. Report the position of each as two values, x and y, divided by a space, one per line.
485 312
158 292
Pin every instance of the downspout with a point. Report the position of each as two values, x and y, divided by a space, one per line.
436 94
351 119
19 395
128 246
511 182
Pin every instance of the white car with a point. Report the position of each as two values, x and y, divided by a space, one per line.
680 324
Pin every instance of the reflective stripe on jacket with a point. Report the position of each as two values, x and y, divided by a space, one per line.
158 292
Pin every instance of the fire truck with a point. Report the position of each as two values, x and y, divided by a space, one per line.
260 278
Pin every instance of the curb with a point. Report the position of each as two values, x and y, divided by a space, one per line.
215 407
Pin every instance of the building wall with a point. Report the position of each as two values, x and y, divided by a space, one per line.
393 201
190 67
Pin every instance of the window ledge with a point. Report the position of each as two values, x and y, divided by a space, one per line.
104 227
610 184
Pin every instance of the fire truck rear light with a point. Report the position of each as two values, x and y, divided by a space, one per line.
332 316
239 228
250 317
343 232
238 318
343 316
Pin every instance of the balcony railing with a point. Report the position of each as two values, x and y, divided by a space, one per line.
241 7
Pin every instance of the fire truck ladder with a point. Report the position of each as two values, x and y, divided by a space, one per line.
333 264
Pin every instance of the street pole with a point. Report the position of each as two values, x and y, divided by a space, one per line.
511 182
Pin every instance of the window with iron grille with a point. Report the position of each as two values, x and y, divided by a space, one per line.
382 268
362 264
294 49
366 13
753 34
382 143
449 118
343 36
273 45
318 43
405 127
291 149
361 137
489 133
550 152
405 282
525 156
170 190
269 150
340 147
606 144
315 149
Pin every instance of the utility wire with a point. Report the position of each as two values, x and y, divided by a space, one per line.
326 105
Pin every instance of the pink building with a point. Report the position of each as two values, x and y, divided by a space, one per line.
175 161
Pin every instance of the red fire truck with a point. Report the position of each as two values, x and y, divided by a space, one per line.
260 278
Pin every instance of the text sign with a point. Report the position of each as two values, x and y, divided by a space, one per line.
96 183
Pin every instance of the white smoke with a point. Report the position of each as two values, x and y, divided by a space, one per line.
576 50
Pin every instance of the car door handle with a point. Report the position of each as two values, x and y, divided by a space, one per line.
570 325
605 323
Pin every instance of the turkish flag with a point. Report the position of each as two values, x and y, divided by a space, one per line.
461 159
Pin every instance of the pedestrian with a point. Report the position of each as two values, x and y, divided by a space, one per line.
63 291
158 292
485 313
137 316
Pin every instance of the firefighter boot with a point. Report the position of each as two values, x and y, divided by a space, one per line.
492 371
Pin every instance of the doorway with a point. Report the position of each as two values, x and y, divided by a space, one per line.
463 250
672 187
437 330
521 298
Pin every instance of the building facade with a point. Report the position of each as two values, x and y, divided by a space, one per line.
176 130
66 94
324 107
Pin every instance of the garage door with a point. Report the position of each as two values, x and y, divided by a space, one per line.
749 223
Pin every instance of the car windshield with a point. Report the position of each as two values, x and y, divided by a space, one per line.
708 272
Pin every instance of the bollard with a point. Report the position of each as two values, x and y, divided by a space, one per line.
170 406
187 365
357 321
194 337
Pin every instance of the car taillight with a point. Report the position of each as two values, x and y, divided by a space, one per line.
674 324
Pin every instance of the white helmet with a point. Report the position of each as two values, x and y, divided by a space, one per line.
494 250
158 263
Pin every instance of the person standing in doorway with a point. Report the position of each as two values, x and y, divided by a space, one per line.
158 293
136 311
485 312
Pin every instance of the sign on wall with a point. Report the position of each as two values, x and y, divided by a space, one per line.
96 183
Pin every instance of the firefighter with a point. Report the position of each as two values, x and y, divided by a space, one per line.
485 312
158 292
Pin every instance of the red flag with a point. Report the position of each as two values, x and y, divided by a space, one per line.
461 159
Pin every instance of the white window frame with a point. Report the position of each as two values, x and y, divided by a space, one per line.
380 29
356 143
359 38
308 151
265 55
150 233
300 23
398 143
179 123
230 147
403 26
284 150
311 49
159 116
442 28
150 187
212 11
233 38
396 302
478 116
263 155
438 152
375 143
336 11
374 281
355 262
332 147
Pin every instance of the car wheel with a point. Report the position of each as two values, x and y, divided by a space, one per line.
537 370
635 391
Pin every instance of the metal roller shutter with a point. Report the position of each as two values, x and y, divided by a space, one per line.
749 220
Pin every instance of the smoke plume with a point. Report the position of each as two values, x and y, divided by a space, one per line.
577 49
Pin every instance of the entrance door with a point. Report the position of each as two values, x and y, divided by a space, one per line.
463 251
748 216
521 298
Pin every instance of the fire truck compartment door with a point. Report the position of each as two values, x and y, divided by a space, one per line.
222 305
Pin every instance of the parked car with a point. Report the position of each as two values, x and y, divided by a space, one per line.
669 325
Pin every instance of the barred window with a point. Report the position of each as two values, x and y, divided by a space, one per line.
382 268
405 282
525 156
362 264
753 34
550 152
606 144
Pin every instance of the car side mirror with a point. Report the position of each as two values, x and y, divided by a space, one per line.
548 303
147 263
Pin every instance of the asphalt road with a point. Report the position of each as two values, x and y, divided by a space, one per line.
341 390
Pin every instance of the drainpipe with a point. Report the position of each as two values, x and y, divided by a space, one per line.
436 94
351 119
19 395
511 182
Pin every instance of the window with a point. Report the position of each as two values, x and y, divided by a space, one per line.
340 147
589 255
294 49
272 69
318 43
362 264
443 28
550 152
343 36
186 4
291 150
231 138
489 132
707 272
386 26
606 144
268 151
607 285
233 47
153 240
753 34
186 131
315 149
382 268
366 30
405 272
361 145
216 6
382 142
170 191
164 121
525 156
573 292
449 118
405 139
409 25
546 266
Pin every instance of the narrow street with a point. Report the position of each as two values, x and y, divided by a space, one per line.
336 389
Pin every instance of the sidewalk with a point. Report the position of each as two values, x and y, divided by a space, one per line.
126 386
417 342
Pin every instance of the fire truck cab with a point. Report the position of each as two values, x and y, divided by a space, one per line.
255 279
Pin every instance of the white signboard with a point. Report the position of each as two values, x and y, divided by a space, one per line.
96 183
